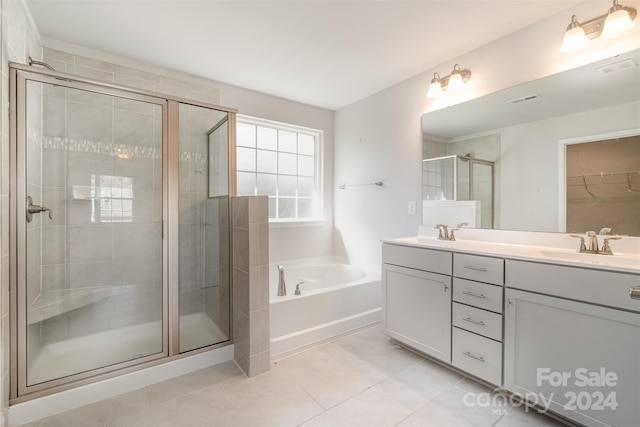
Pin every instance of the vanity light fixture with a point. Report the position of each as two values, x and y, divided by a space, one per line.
453 82
618 20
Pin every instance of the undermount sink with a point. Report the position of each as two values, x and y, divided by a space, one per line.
532 250
626 260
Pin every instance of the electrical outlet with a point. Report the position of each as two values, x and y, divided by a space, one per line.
411 207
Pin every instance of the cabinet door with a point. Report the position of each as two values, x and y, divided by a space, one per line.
581 358
416 309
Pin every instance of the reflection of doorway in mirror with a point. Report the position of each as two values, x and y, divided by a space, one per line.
603 186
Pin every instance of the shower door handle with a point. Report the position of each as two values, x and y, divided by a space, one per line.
34 209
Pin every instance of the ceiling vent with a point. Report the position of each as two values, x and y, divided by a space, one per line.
524 98
627 64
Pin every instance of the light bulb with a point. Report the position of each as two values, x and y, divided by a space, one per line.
435 90
455 82
573 39
617 22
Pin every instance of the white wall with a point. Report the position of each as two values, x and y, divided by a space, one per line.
529 162
379 138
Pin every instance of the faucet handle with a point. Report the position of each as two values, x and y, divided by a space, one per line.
462 224
583 247
604 231
441 228
606 248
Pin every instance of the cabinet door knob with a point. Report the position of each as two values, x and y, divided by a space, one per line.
446 287
634 293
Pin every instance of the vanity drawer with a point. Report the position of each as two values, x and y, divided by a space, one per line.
610 288
478 294
479 321
477 355
418 258
480 268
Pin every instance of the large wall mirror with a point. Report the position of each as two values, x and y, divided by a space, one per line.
525 131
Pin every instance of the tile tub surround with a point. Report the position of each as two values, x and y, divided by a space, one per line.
251 283
361 379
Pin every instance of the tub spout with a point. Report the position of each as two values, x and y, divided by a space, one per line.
282 288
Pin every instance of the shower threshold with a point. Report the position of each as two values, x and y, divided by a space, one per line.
67 357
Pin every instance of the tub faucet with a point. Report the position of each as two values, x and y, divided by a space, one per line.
282 288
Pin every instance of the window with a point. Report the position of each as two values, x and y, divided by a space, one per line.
283 162
115 198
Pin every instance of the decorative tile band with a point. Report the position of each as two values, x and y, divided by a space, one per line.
122 151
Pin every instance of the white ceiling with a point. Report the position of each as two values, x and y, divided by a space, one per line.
323 53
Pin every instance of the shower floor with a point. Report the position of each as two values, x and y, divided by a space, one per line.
198 330
68 357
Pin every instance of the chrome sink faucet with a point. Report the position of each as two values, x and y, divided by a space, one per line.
452 235
443 233
282 287
593 242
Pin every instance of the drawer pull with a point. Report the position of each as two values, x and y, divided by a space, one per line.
473 294
477 322
473 356
634 293
470 267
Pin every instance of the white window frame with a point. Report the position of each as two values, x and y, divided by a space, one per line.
319 167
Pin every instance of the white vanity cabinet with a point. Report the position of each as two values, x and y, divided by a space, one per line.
576 350
477 316
416 308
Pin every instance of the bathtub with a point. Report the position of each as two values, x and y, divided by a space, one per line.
336 299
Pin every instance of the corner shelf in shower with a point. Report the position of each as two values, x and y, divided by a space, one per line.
54 303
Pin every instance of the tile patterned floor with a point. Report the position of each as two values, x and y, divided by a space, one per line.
360 380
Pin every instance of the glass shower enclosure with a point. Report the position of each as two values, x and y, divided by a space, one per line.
458 179
120 248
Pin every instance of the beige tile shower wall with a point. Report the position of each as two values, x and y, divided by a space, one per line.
185 87
251 284
19 40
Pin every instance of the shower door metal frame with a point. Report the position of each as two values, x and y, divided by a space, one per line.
19 74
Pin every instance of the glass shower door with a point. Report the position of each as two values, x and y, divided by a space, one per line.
204 264
483 190
90 228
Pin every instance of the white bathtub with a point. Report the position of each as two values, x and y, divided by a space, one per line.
337 299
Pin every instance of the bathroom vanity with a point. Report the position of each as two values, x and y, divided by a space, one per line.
559 329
